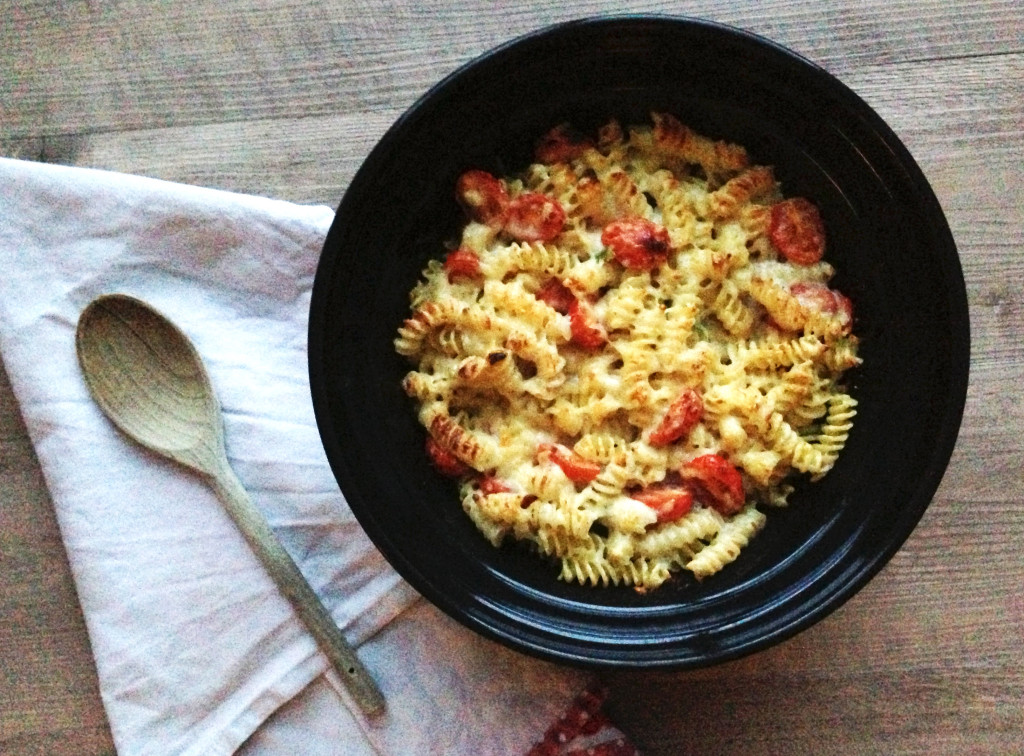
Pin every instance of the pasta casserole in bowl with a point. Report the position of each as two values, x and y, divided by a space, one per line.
639 341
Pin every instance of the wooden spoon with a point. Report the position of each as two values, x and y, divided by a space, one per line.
149 380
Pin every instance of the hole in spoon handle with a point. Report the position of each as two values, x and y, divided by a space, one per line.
293 585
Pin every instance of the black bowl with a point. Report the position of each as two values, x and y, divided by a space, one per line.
888 239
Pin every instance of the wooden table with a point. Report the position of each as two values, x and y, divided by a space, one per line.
286 97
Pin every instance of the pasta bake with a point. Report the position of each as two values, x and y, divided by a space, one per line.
631 353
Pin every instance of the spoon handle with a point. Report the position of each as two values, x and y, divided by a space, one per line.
294 586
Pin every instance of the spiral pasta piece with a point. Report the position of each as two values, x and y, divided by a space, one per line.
728 543
730 198
678 140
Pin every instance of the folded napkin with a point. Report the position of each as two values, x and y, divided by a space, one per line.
196 651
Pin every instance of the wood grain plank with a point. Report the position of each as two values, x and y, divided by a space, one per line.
50 694
975 104
929 712
309 160
77 67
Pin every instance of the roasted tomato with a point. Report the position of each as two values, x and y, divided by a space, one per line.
534 217
560 145
576 468
492 485
797 231
684 413
636 242
483 197
714 480
556 296
444 460
818 297
584 326
669 502
462 263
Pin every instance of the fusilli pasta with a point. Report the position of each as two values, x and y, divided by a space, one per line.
633 347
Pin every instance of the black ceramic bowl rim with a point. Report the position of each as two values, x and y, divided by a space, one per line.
888 239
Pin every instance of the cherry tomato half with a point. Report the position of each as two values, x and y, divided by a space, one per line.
576 468
584 326
483 197
560 145
714 479
444 460
797 231
669 502
534 217
492 485
636 242
556 296
684 413
818 297
462 263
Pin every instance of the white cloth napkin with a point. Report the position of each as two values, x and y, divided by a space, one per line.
195 649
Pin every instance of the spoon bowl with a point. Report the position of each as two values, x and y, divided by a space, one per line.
148 379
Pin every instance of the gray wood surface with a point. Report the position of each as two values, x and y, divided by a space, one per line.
286 97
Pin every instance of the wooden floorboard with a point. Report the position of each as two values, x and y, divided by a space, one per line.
78 66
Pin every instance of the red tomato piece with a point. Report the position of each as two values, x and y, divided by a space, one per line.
716 481
818 297
556 296
797 231
560 145
483 197
669 502
684 413
636 242
462 263
584 326
492 485
814 296
576 468
444 460
534 217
